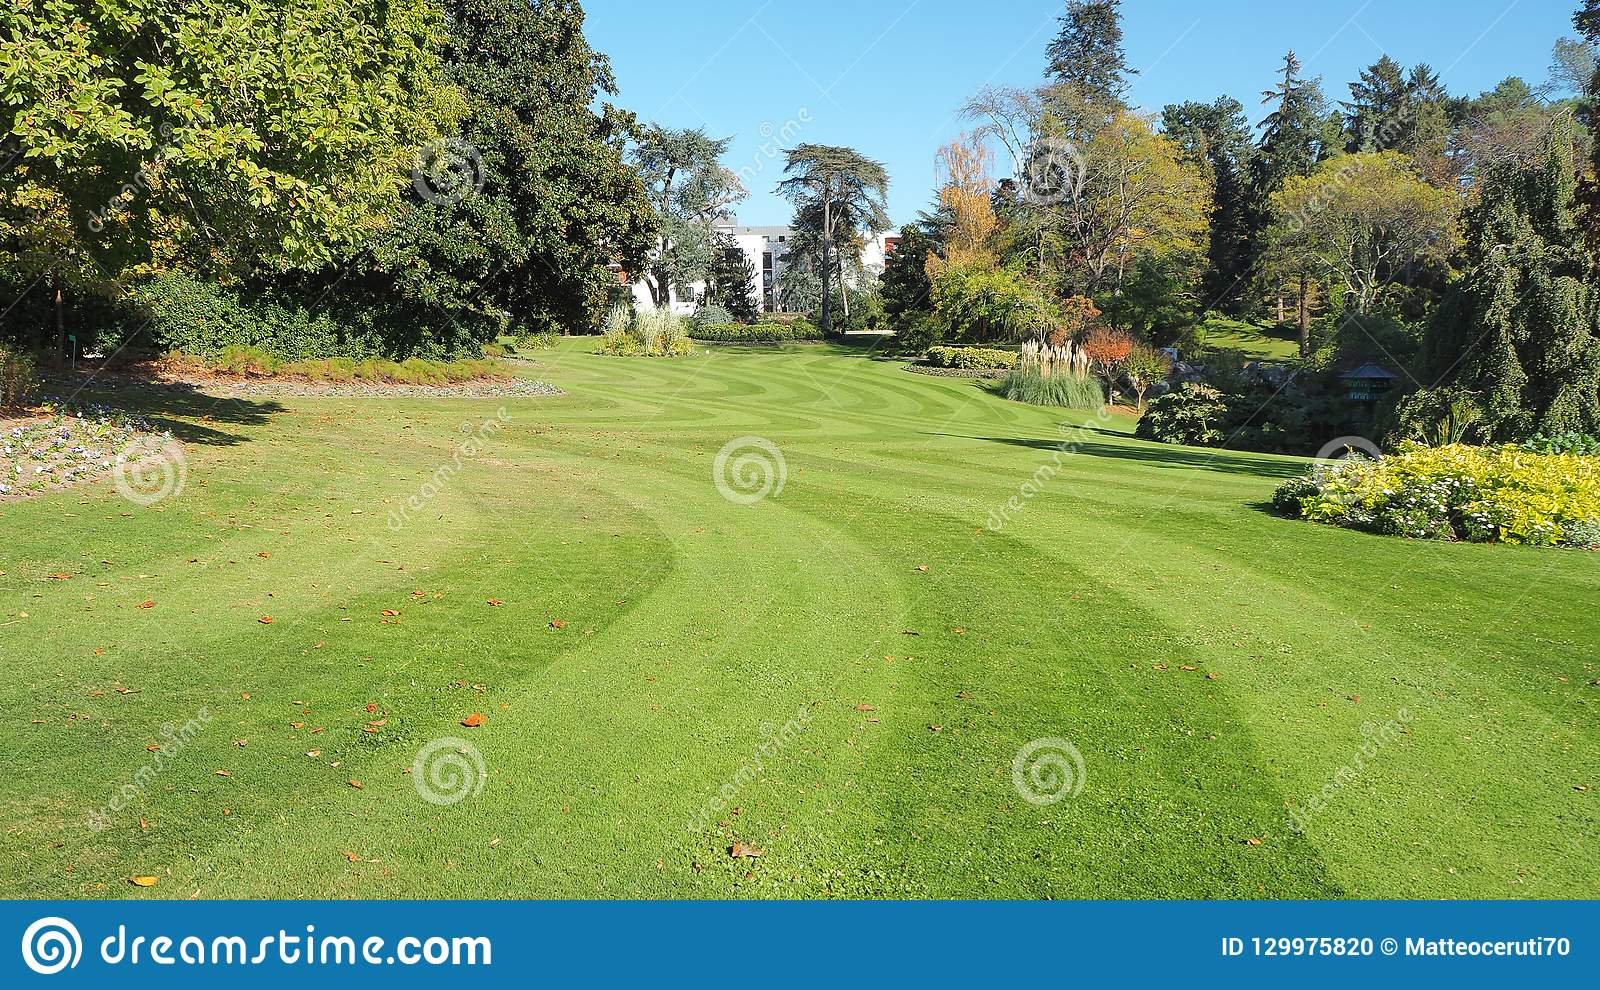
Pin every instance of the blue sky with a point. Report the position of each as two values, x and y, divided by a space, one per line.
888 76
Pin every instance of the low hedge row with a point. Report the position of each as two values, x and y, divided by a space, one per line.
757 333
973 358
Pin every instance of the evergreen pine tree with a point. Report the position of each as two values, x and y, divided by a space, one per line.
1519 326
1088 55
1217 137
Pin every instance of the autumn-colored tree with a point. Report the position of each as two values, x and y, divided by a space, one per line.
1108 350
967 196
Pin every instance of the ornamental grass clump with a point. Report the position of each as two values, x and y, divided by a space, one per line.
1050 375
652 333
1478 494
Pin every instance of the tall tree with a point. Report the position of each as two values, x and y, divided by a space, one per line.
691 191
1216 136
1362 221
1296 135
842 193
732 280
1519 326
556 205
1392 110
1087 54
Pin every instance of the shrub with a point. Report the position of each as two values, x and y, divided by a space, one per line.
973 358
18 376
709 317
1191 415
1436 417
544 340
758 333
200 318
1581 444
494 351
1485 495
1030 385
653 333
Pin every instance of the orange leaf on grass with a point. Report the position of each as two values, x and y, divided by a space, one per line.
266 620
474 720
357 785
557 624
495 602
147 604
743 850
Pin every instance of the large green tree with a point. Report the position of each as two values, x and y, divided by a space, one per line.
1087 53
690 190
548 208
1217 137
1519 326
841 196
731 282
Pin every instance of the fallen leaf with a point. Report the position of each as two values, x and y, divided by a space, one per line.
153 748
352 857
224 773
313 753
391 613
922 568
1252 842
147 604
557 624
743 850
495 602
494 843
266 620
357 785
474 720
144 881
1213 676
865 708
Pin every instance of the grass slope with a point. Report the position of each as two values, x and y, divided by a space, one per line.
694 628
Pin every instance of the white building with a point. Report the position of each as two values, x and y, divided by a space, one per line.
767 251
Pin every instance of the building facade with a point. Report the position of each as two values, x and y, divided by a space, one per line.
767 251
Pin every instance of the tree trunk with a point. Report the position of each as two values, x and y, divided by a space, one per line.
61 326
827 267
1280 308
1305 317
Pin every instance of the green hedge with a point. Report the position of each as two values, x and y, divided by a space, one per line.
193 317
758 333
973 358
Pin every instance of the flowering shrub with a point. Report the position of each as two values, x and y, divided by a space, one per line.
1485 495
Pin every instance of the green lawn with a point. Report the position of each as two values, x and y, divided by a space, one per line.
1257 342
692 628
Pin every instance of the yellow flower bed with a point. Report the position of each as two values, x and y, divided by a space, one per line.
1482 494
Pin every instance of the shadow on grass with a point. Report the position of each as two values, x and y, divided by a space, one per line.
189 414
1162 455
